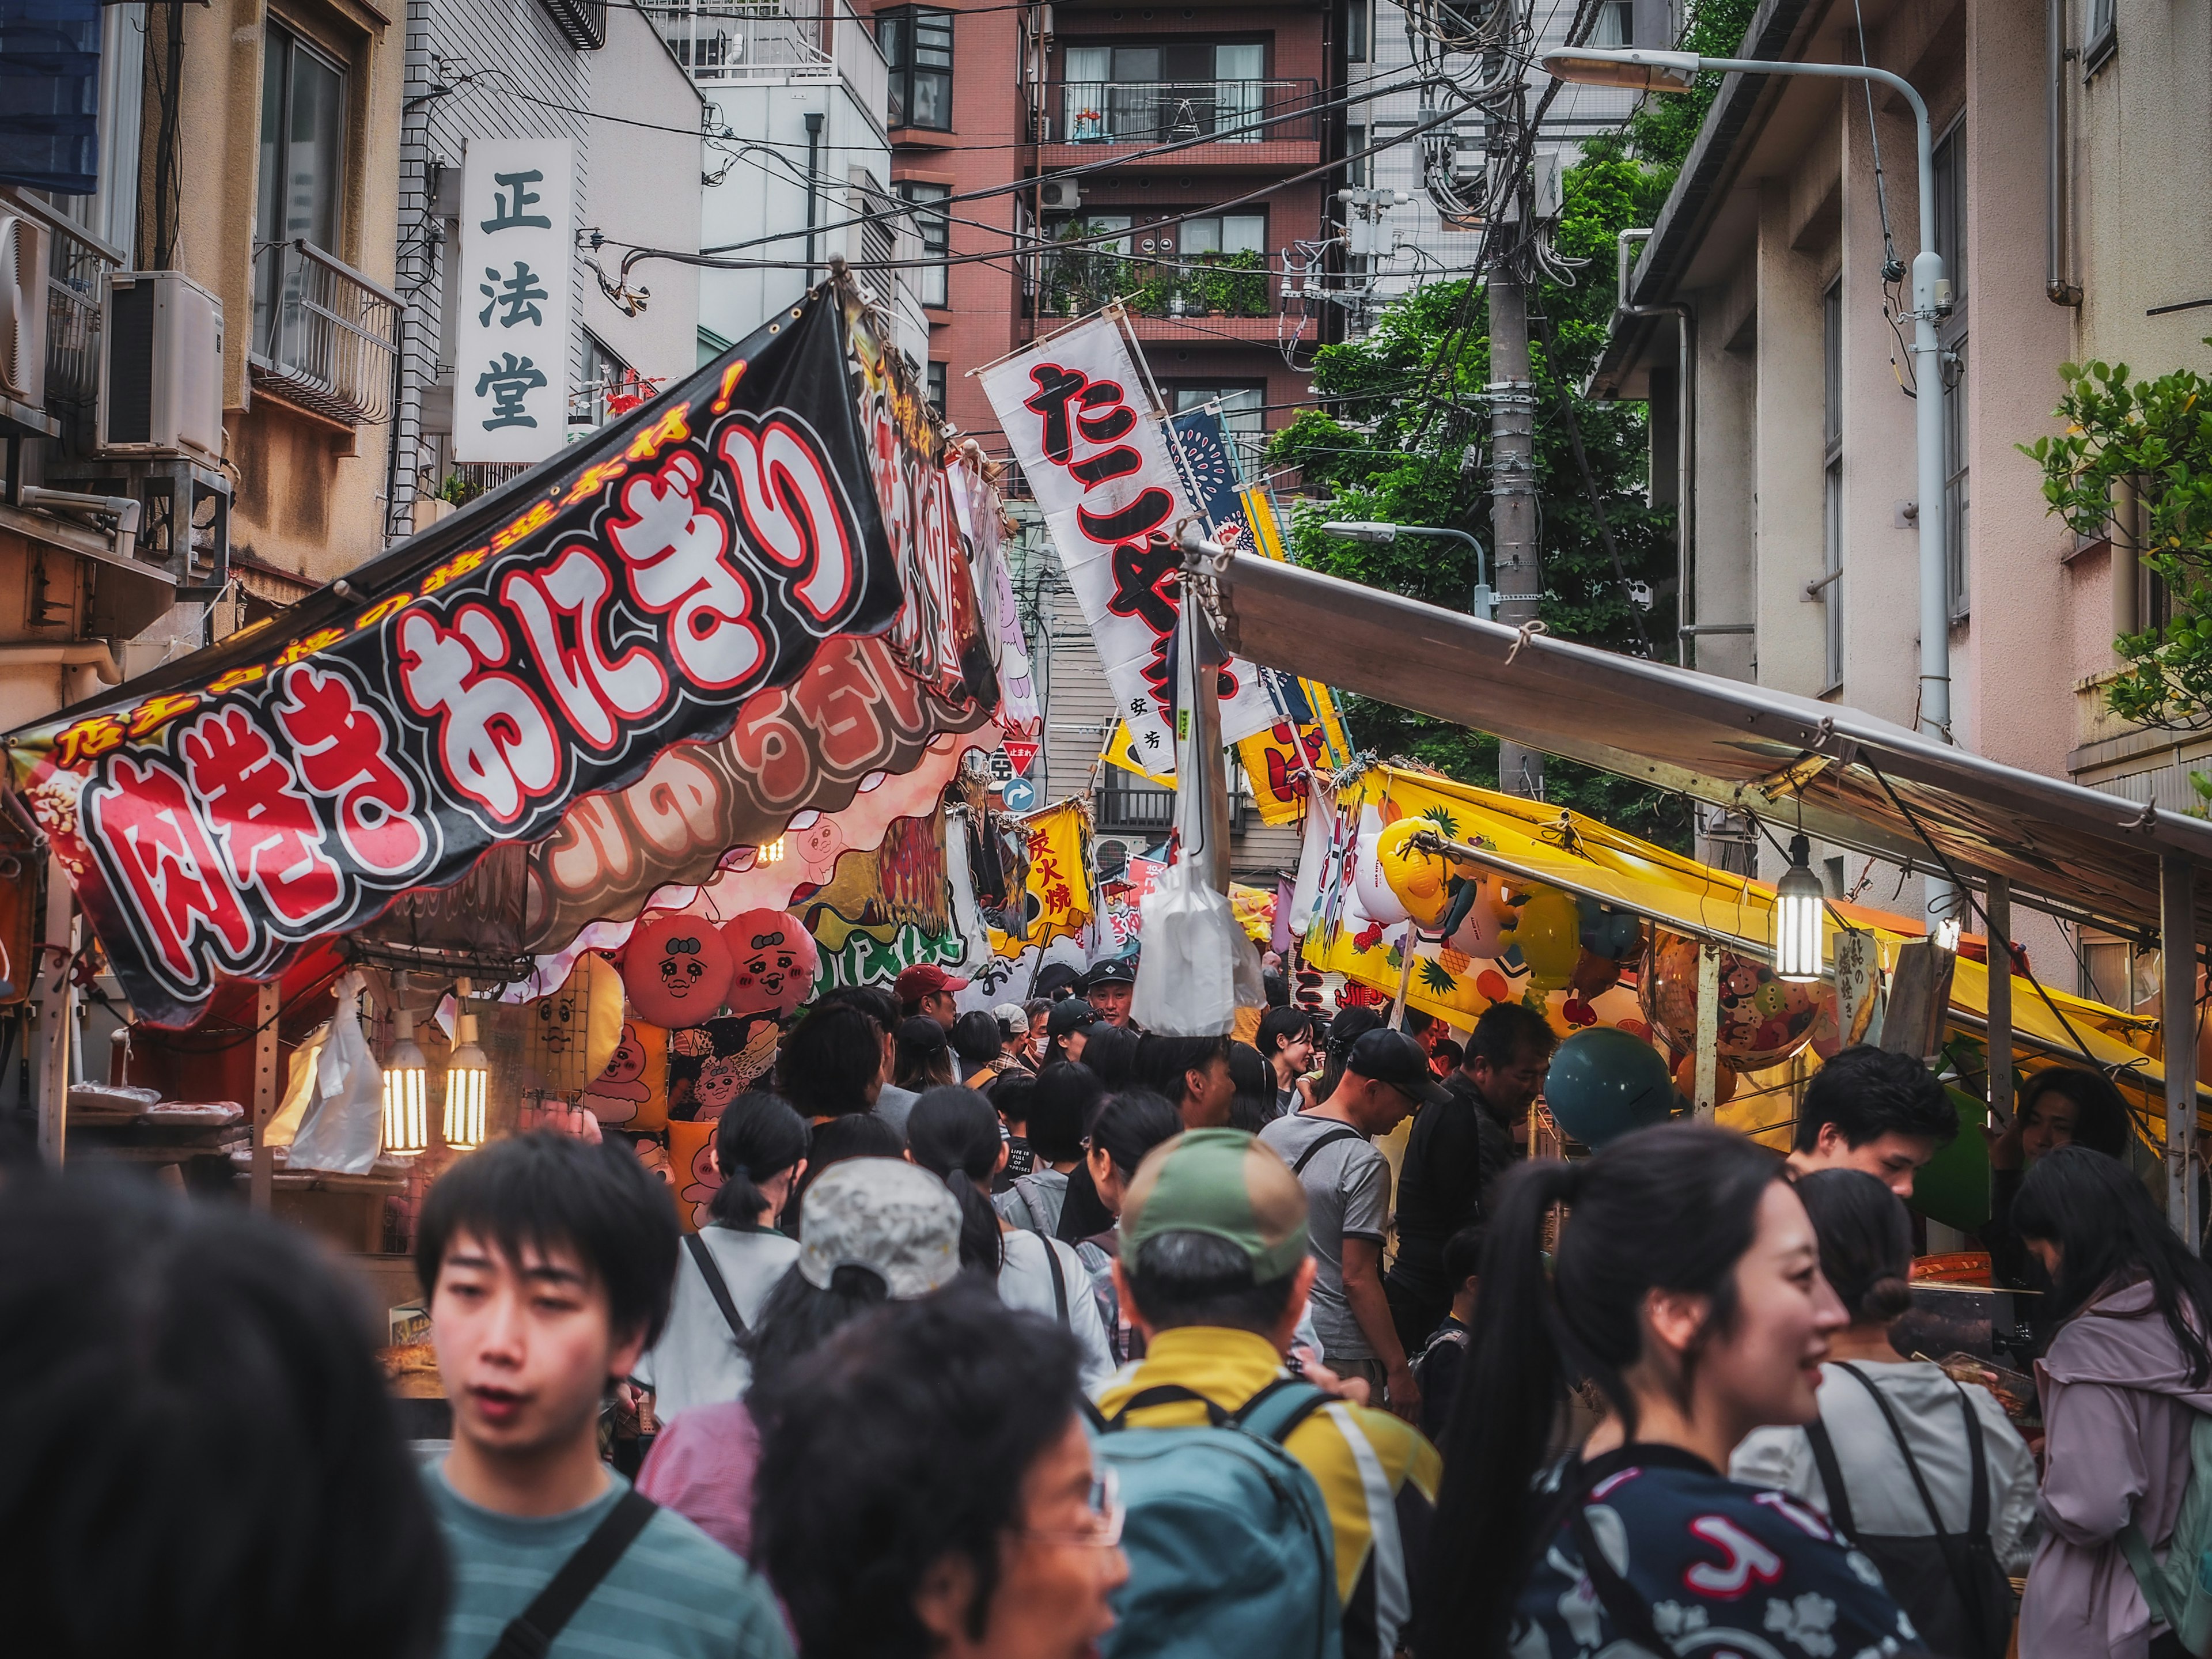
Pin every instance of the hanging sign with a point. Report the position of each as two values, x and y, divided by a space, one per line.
221 815
511 337
1099 467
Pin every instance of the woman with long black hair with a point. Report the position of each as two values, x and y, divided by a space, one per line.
1686 1288
2126 1376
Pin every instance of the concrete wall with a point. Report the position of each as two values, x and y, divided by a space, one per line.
644 192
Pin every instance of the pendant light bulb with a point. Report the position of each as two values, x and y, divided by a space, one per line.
1799 903
406 1090
468 1076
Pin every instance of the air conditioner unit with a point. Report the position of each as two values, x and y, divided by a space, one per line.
24 244
161 366
1060 196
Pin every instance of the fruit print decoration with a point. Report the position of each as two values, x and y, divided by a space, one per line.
775 962
1762 1019
677 968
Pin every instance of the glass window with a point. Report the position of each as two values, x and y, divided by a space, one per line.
1359 29
936 384
610 387
2098 34
1950 160
917 44
1831 590
1243 416
302 133
934 227
1358 170
1616 24
1225 233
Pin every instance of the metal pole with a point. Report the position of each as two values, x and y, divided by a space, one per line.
813 119
55 1016
1997 899
1513 494
2176 953
1707 1075
265 1007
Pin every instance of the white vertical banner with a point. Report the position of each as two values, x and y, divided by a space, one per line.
511 368
1097 461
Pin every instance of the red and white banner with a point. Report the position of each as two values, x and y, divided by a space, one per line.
1097 462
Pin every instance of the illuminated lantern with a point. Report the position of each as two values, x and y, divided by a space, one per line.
468 1080
675 968
776 961
406 1090
1548 934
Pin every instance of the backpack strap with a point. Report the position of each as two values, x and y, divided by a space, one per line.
531 1634
1831 1478
1166 1393
1346 1133
1630 1615
1279 1408
1058 1277
717 1286
1912 1464
1977 1523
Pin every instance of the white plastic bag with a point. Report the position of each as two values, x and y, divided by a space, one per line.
343 1126
1198 964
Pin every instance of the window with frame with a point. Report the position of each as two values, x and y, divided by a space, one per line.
1155 94
1243 408
1358 170
610 387
917 44
1831 571
1950 167
2101 35
303 102
934 224
1358 30
1221 233
1616 24
934 383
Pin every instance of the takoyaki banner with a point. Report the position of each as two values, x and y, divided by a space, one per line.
468 688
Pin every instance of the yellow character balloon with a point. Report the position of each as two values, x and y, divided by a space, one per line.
1548 933
1423 882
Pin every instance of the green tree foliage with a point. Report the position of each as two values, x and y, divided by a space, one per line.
1404 438
2154 435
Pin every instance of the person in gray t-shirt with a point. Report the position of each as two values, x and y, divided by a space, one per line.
1347 1185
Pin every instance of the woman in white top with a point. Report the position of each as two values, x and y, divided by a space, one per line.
759 1150
953 1133
1866 1255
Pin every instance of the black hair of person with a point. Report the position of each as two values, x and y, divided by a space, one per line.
1504 1031
1038 1009
1254 1102
924 1054
830 1060
796 1317
1059 1108
1866 1242
204 1460
1188 1279
898 1443
1130 1124
757 1138
1163 1061
977 1038
1867 1094
1110 1052
1463 1255
1448 1054
2100 1112
953 1133
877 1004
2106 1228
1671 1207
1346 1028
1013 1095
543 1190
1280 1025
854 1134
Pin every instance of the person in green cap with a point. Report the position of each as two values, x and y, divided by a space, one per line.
1214 1270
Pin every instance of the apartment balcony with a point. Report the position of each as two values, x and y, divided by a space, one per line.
1221 125
325 336
728 43
1209 299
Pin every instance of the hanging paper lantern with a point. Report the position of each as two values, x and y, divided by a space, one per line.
1549 935
776 960
1603 1083
631 1091
691 1169
572 1034
1762 1019
677 968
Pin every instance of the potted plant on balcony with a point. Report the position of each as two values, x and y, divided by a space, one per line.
1233 284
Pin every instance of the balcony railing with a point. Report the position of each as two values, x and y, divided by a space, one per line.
723 41
324 335
76 275
1134 806
1071 282
1164 111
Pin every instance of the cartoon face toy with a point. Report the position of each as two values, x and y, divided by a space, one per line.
693 1179
775 962
677 968
711 1067
704 1182
654 1156
632 1093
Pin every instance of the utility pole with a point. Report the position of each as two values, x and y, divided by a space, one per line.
1512 417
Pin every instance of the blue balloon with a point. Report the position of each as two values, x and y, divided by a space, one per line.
1606 931
1605 1083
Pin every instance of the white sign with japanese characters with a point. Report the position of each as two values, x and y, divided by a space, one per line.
1074 411
511 339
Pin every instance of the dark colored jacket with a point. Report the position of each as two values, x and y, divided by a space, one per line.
1454 1156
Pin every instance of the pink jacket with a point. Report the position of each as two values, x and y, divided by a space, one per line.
702 1466
2117 1408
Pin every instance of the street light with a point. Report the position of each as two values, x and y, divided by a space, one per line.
1365 529
1675 72
1799 903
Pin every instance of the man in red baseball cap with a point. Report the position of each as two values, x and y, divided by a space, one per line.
927 990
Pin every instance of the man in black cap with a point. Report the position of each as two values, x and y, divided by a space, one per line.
1347 1182
1110 985
1055 982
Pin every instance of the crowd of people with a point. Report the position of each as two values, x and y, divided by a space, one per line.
1024 1334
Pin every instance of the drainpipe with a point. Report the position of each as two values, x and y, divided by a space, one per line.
1685 442
813 185
2055 286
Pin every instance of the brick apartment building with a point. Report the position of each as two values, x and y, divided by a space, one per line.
986 94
